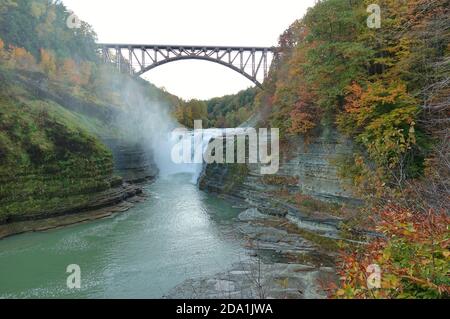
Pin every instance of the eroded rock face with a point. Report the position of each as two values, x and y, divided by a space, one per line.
131 161
111 182
284 259
313 164
306 167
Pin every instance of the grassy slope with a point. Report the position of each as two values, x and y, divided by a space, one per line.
49 158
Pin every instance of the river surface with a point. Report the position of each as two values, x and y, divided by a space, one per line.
178 233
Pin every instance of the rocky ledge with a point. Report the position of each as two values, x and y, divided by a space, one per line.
115 200
279 263
307 189
292 224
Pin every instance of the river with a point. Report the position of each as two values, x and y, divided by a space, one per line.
179 232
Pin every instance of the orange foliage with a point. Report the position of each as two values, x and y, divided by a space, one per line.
295 97
353 99
413 257
362 103
301 122
22 59
382 117
69 72
48 64
305 115
2 51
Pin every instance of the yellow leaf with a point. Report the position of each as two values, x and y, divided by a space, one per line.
340 292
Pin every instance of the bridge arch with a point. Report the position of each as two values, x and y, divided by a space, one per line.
234 68
251 62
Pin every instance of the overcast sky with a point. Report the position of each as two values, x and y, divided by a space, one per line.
192 22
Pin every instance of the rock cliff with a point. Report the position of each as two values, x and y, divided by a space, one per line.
305 189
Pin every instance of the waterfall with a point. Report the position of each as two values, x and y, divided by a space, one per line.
196 143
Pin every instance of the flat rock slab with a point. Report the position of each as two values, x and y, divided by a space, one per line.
252 214
254 280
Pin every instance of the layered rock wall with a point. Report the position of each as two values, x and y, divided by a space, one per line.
308 168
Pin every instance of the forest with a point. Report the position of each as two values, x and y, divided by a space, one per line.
219 112
387 89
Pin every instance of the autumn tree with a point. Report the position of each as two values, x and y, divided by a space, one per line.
46 22
85 73
413 257
2 50
68 72
21 59
48 63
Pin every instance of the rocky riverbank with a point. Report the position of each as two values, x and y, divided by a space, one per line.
307 189
130 161
120 174
291 226
105 204
63 150
279 263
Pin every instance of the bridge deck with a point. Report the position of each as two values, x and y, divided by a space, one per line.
187 47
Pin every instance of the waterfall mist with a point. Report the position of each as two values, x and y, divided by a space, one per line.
148 121
145 118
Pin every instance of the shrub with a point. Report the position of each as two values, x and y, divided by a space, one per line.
413 257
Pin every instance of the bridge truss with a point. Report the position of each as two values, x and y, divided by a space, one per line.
251 62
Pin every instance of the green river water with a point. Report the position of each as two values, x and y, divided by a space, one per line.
179 232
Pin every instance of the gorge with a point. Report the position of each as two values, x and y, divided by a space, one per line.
156 223
353 177
185 238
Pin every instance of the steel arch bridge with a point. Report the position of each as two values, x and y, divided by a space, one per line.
251 62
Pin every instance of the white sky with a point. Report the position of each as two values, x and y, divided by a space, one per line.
192 22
